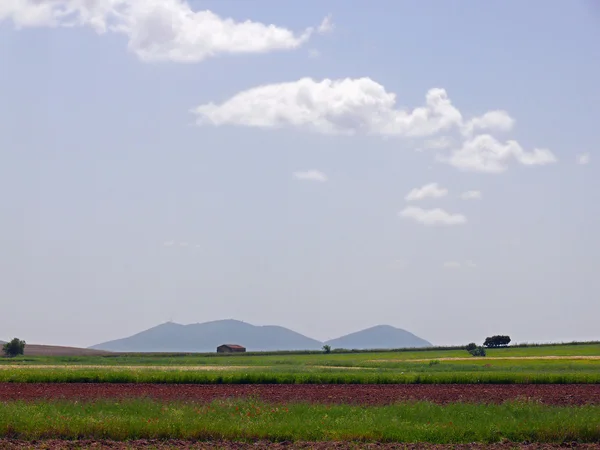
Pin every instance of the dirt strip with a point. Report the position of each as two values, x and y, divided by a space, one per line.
172 444
552 394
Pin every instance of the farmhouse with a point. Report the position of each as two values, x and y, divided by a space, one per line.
230 348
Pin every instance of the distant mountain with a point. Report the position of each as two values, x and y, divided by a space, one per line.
381 336
206 337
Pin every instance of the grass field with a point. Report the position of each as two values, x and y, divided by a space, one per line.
252 420
538 364
359 359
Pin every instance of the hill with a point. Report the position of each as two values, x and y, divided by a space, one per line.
381 336
206 337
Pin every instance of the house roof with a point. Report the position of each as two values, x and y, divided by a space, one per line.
232 346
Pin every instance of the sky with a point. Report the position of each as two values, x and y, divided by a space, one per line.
326 166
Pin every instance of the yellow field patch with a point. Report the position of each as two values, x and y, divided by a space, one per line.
488 358
339 367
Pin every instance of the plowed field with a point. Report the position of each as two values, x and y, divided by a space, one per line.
352 394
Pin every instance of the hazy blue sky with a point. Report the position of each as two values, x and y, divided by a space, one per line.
160 162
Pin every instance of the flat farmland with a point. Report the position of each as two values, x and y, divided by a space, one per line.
544 364
543 396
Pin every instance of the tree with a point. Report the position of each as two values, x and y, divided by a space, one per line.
14 348
327 349
471 346
496 341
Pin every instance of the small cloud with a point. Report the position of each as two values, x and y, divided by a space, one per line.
584 159
431 190
431 217
471 195
314 53
470 264
326 26
496 120
485 153
168 243
310 175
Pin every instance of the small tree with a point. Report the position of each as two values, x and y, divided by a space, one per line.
14 348
327 349
496 341
471 346
477 351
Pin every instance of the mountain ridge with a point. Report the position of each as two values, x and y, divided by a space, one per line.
379 337
206 336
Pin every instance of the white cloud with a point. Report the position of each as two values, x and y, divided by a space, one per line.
471 195
351 106
484 153
492 120
158 30
168 243
431 190
432 216
310 175
326 26
584 159
345 106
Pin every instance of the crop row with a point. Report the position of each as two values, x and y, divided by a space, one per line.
251 420
324 376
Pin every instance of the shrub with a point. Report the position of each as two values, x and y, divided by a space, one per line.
327 349
477 351
471 346
14 348
434 362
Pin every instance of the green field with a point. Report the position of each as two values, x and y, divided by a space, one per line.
537 364
250 421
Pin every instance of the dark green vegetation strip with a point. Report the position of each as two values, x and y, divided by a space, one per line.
253 421
265 376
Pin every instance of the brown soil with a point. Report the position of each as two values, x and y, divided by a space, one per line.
162 445
55 350
119 367
552 394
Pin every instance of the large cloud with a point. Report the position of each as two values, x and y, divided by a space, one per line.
158 30
345 106
360 105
